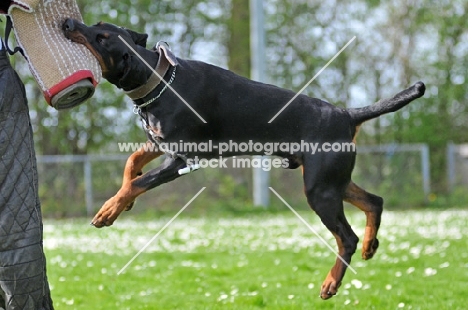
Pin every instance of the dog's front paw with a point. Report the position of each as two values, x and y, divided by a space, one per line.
109 212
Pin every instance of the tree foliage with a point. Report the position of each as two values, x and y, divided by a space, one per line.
397 43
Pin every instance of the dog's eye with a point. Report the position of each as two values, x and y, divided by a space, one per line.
125 57
100 39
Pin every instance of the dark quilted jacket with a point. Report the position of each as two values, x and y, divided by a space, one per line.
23 280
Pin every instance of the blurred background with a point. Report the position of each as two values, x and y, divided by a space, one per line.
417 157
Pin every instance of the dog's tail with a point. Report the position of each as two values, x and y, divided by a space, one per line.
360 115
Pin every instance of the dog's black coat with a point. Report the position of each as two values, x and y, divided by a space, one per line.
238 109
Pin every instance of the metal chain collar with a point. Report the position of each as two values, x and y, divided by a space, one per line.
147 103
155 139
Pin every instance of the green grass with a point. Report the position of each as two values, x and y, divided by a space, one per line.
260 261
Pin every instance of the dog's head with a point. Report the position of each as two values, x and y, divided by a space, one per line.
119 64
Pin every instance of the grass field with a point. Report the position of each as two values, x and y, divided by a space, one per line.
260 261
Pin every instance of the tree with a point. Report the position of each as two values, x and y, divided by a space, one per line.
397 43
238 42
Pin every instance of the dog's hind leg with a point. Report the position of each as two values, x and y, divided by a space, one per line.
325 196
328 205
372 205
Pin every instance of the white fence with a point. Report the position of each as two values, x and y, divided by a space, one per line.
78 185
86 161
421 149
457 165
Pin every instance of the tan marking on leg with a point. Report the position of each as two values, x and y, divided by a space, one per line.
126 195
361 199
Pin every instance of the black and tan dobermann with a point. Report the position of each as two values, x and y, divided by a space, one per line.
234 108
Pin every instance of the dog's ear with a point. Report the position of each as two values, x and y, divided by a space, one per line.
138 38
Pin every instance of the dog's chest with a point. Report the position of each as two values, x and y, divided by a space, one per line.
155 128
